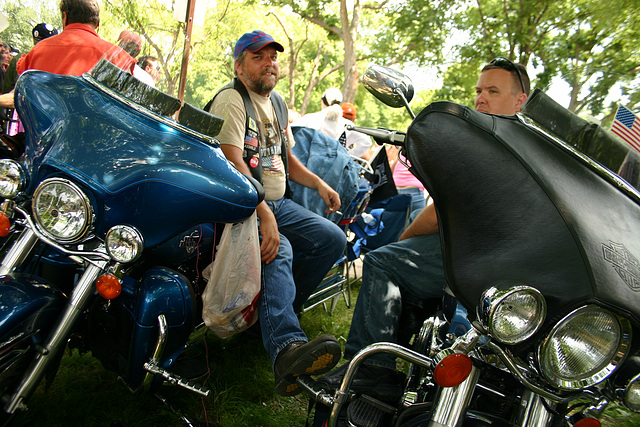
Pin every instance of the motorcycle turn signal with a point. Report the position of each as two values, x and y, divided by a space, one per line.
452 369
108 286
5 225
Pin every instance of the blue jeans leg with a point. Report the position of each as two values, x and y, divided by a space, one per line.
418 201
278 321
317 244
411 268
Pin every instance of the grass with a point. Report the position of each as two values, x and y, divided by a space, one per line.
240 379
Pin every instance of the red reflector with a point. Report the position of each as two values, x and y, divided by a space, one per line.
452 370
588 422
5 225
108 286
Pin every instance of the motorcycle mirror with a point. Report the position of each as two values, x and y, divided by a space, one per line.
390 86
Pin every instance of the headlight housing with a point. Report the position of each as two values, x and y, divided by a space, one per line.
124 243
12 178
584 348
512 315
62 211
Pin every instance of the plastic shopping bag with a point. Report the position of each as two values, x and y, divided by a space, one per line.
231 295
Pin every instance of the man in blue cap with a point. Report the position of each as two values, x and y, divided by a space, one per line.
257 139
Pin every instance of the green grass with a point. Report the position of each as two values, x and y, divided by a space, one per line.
240 379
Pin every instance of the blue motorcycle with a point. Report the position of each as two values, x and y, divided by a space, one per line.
107 219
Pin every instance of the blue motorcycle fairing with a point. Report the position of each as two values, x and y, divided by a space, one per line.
25 304
141 170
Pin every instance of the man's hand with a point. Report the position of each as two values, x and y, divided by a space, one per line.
330 196
270 236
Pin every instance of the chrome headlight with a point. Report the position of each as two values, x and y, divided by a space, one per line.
62 210
124 243
512 315
585 347
12 178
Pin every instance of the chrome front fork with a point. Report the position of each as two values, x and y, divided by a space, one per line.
57 340
19 251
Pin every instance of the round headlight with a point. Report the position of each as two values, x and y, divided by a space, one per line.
512 315
124 243
12 178
62 210
585 347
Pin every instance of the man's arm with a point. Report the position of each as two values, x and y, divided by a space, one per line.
299 173
6 100
425 223
268 226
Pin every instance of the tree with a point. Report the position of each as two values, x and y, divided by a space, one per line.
23 16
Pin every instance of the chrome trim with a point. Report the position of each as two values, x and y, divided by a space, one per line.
533 412
605 173
341 395
450 403
145 111
163 331
19 251
85 254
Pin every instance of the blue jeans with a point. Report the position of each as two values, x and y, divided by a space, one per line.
411 268
317 243
418 201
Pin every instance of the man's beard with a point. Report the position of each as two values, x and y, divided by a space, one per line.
262 87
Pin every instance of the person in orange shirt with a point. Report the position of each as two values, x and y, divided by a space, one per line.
78 47
74 51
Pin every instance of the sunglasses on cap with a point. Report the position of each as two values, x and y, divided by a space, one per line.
506 64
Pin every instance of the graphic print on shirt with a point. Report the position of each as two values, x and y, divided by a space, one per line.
271 149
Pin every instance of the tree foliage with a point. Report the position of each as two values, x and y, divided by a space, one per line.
585 43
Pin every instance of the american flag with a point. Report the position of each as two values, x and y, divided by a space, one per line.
627 126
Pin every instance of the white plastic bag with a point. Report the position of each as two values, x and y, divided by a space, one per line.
231 295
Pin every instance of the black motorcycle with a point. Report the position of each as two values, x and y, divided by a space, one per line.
539 217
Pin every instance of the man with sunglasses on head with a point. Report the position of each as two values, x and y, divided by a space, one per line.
411 269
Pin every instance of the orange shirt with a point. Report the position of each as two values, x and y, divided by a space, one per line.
73 52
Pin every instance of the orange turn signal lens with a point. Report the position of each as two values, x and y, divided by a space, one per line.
452 370
5 225
588 422
109 286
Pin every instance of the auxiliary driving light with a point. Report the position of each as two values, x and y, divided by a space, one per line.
512 315
632 394
451 369
124 243
12 179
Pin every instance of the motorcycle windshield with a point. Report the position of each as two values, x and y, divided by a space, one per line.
514 203
143 169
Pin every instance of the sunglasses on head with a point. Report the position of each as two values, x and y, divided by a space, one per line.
506 64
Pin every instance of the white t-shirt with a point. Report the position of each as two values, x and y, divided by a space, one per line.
229 106
330 122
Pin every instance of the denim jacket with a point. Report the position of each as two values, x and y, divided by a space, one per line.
328 159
